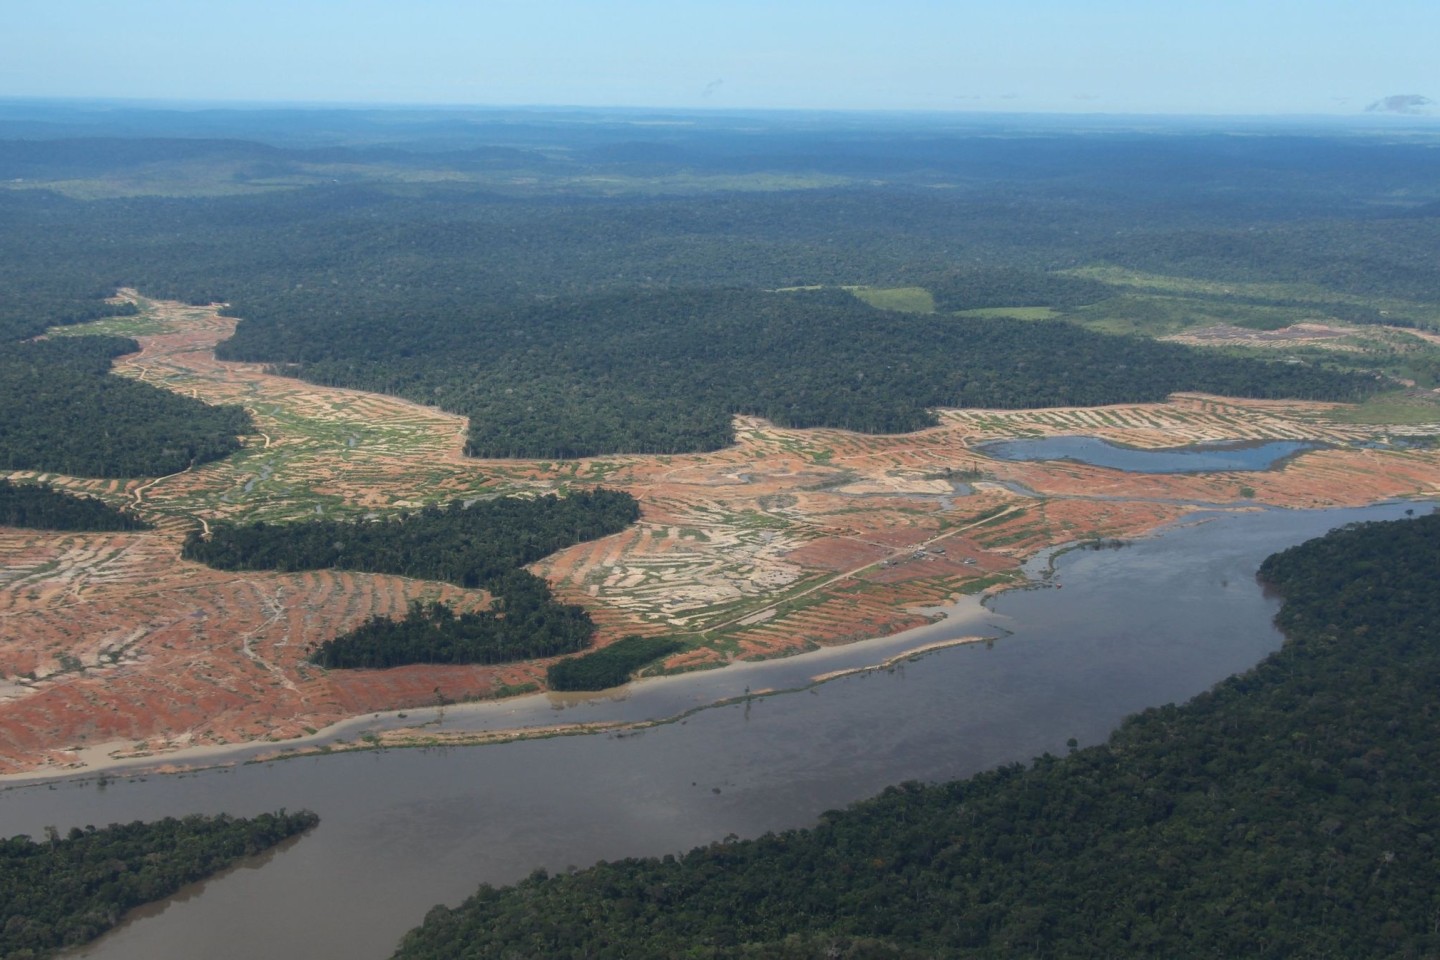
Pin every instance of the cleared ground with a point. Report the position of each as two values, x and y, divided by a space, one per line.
787 540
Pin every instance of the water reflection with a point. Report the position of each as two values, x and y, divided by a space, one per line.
1197 458
400 831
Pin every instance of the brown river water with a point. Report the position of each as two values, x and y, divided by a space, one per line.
402 830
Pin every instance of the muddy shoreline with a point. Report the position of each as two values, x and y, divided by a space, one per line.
442 726
116 654
1118 630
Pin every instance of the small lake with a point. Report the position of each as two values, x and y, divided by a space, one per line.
1154 622
1198 458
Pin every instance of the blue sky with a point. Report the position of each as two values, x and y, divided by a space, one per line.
1110 56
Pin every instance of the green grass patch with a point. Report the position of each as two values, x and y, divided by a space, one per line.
141 324
1154 315
1156 282
902 299
754 519
1264 306
514 690
1401 407
1012 313
985 517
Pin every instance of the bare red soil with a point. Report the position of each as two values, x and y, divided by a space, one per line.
788 540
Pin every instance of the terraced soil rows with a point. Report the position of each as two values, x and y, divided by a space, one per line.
787 540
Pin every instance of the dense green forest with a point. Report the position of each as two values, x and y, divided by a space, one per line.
578 283
469 546
611 666
1291 811
585 287
66 890
663 372
523 623
484 545
979 287
888 206
61 410
1368 258
42 507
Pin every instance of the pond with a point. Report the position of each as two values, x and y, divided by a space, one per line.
1197 458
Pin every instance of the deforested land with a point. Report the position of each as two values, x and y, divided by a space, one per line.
783 346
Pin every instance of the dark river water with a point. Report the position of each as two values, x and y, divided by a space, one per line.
1238 455
1144 625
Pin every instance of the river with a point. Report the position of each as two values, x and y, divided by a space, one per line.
1147 624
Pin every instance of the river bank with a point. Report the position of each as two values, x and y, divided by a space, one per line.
113 648
1152 623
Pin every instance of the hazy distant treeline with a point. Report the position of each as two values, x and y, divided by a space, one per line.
565 321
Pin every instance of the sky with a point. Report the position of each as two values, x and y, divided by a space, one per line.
1067 56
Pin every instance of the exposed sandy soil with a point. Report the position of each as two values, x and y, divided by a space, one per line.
1224 334
788 540
1352 339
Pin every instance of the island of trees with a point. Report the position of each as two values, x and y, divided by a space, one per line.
611 666
524 622
1292 811
66 890
42 507
484 545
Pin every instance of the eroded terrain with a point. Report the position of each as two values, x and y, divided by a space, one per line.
112 645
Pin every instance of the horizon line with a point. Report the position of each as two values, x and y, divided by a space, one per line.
239 104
